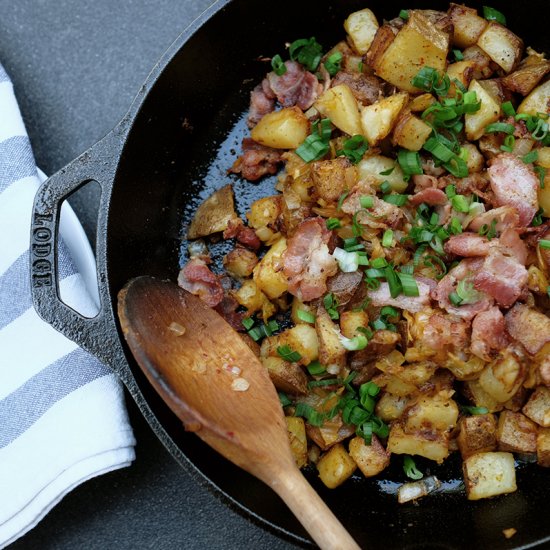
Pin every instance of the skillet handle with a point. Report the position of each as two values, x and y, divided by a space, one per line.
99 163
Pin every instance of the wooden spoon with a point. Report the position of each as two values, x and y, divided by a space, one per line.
216 385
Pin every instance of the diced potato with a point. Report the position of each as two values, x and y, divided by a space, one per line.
361 27
543 158
339 104
419 43
331 350
503 377
298 305
411 132
287 377
331 432
336 466
421 102
350 321
251 297
463 71
240 262
418 373
483 65
371 167
269 275
538 406
264 212
543 447
489 474
303 339
516 433
501 45
481 398
332 177
467 25
477 434
437 413
538 101
489 112
378 119
525 78
297 437
284 129
432 445
464 369
390 407
371 459
474 160
213 215
395 385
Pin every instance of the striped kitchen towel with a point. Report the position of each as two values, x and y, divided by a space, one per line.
62 413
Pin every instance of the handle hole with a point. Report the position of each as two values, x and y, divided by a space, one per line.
75 258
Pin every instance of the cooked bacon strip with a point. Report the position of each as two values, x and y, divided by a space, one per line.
196 278
366 89
307 261
506 217
468 245
295 87
529 327
262 101
488 333
227 308
502 277
381 215
511 245
382 297
344 285
514 184
431 196
443 331
256 161
245 235
424 181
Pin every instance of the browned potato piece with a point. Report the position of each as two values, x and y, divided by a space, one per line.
463 71
303 339
335 466
503 377
529 327
524 79
390 407
350 321
501 45
297 437
379 118
489 112
482 62
489 474
331 432
475 160
419 43
371 459
411 132
432 445
287 377
480 397
240 262
361 27
537 101
332 177
477 434
331 351
516 433
339 104
538 407
298 305
213 215
421 102
284 129
467 25
431 413
269 275
543 447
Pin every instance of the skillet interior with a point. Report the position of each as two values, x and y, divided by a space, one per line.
171 151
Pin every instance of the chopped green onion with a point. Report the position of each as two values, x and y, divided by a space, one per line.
284 399
541 172
433 261
508 108
530 157
537 220
389 311
388 171
489 231
333 223
331 304
429 80
438 149
455 299
410 469
548 291
341 200
395 198
509 143
459 56
379 263
248 323
540 131
457 167
456 226
467 293
278 65
450 191
460 203
325 382
379 324
305 316
385 186
354 148
347 261
307 52
288 354
408 283
387 239
315 418
409 162
375 273
366 201
474 410
500 127
257 333
356 343
393 281
372 283
493 15
315 368
404 14
333 63
316 145
544 243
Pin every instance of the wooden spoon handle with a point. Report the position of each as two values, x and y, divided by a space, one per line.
316 517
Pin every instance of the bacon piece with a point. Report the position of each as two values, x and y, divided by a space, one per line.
501 277
344 285
511 245
307 261
262 101
245 235
431 196
529 327
256 161
444 331
382 297
366 89
488 333
468 244
295 87
381 215
424 181
514 184
506 217
196 278
227 308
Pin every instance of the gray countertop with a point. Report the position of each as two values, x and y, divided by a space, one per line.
76 67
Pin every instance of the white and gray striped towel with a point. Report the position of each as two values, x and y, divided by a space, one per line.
62 413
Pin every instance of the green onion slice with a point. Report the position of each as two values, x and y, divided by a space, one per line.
315 368
315 418
408 284
333 63
305 316
284 399
410 469
474 410
387 239
409 162
307 52
500 127
288 354
278 65
333 223
544 243
366 201
491 14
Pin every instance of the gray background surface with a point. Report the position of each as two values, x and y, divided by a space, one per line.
76 66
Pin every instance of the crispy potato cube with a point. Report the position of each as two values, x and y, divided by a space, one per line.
269 275
332 177
287 377
371 166
477 434
516 433
251 297
339 104
297 436
332 353
298 305
529 327
538 406
361 27
263 213
303 339
213 214
284 129
480 397
370 459
378 119
331 432
543 157
240 262
463 71
421 102
489 112
437 413
538 101
411 132
489 474
419 43
503 377
390 407
474 160
543 447
525 78
395 385
501 45
467 25
336 466
350 321
432 445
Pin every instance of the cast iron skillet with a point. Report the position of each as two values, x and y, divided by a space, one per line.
154 167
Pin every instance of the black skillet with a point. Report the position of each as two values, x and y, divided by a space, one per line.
170 151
